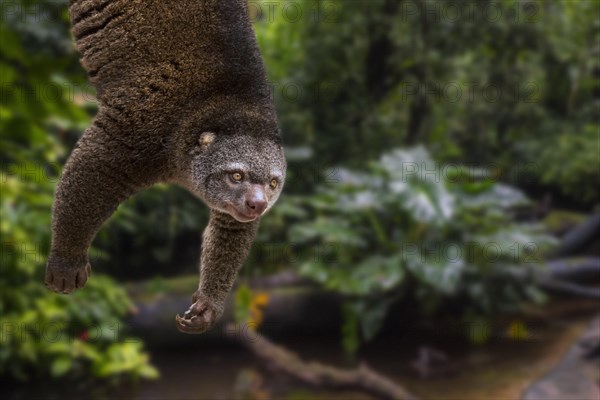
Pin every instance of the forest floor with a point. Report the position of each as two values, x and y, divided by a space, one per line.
511 366
524 369
542 361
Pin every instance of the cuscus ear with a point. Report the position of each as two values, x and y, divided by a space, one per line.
206 139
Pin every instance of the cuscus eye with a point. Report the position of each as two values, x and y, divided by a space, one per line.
273 183
237 176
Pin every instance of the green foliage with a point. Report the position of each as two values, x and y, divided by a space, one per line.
43 332
46 103
570 162
351 80
243 301
156 232
474 88
249 307
387 71
42 112
410 227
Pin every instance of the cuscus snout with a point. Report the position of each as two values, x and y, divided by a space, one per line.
256 201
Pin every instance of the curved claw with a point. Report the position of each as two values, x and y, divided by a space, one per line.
197 319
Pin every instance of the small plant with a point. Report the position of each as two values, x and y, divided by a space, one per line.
570 162
449 232
74 336
249 307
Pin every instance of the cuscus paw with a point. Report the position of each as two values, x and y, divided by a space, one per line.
65 279
199 318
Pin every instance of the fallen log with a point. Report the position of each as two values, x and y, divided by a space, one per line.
565 277
287 278
291 309
579 238
560 276
581 269
570 289
362 379
290 312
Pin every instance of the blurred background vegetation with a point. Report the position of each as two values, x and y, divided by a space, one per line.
498 110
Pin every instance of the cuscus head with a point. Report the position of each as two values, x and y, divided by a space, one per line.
238 174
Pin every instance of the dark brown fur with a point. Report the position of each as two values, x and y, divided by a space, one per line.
167 72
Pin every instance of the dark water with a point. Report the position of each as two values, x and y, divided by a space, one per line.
198 373
228 372
225 370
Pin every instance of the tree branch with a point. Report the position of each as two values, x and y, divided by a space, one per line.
315 374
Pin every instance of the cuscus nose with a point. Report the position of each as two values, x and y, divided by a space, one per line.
256 203
256 206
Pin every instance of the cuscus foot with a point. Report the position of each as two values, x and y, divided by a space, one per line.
199 318
64 279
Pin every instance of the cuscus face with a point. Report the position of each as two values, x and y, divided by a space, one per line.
240 175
